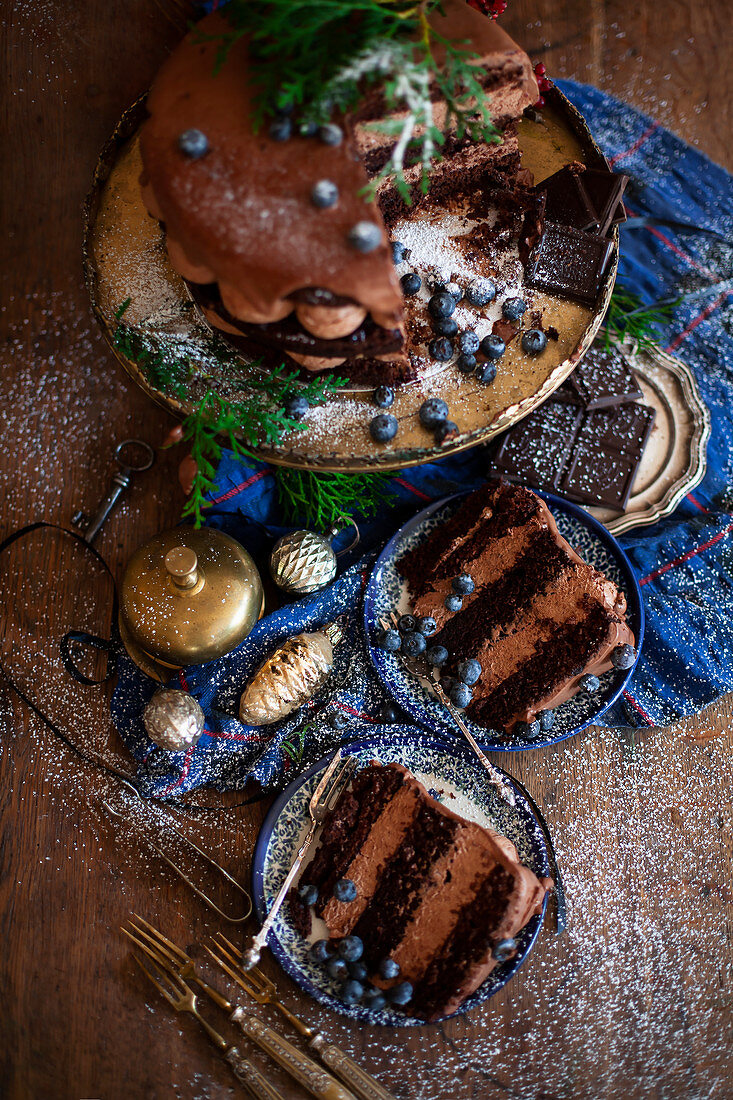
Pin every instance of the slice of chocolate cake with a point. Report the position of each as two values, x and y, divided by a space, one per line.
435 894
538 619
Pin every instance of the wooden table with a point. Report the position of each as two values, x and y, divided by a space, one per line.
635 999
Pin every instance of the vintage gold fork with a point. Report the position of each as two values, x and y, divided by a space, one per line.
332 783
258 986
182 998
418 668
168 957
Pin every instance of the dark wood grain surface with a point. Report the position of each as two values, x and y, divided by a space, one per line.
635 999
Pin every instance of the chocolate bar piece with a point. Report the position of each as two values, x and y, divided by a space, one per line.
588 456
569 262
604 378
604 191
584 198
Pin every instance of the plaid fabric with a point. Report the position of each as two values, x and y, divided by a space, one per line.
678 243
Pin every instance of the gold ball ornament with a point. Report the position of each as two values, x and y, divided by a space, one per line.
289 677
173 719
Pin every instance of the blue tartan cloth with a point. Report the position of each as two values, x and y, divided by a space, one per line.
678 244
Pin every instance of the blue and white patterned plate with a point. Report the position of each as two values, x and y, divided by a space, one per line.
450 773
386 592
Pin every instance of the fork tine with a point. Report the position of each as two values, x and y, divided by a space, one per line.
238 976
155 980
339 782
254 976
161 961
158 938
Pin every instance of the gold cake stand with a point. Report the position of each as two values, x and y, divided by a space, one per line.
125 259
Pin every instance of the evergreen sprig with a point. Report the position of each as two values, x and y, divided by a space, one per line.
316 57
629 317
322 499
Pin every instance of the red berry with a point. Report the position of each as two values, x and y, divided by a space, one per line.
540 102
539 69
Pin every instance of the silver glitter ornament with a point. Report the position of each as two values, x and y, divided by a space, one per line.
173 719
289 677
304 561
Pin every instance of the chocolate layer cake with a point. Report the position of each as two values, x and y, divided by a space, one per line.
435 893
280 271
539 618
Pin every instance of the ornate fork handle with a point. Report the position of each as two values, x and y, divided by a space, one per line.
358 1079
299 1065
249 1076
252 954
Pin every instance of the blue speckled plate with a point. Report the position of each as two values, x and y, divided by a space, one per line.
386 592
452 772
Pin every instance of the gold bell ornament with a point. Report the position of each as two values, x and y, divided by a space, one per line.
289 677
187 597
302 562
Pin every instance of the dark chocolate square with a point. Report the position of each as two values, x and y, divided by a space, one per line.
624 428
537 449
604 190
569 262
604 378
567 201
595 477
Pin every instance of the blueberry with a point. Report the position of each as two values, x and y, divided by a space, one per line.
193 144
337 968
453 603
528 731
365 236
504 949
389 640
330 134
383 397
442 304
399 252
389 713
388 969
493 346
469 671
407 622
623 657
480 292
413 643
400 994
296 407
344 890
280 129
534 341
460 695
486 373
337 720
359 971
350 948
410 283
466 363
547 720
427 625
463 584
445 430
469 342
325 193
441 349
432 411
444 326
320 951
352 991
454 290
589 683
374 999
437 655
308 894
513 308
308 129
382 428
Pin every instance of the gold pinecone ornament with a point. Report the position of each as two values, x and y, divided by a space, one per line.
289 677
302 562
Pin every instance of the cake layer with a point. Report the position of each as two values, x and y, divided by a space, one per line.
539 617
434 892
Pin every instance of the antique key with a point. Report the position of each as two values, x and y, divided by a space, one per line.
125 456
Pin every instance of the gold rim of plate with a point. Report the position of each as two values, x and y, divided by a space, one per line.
125 257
